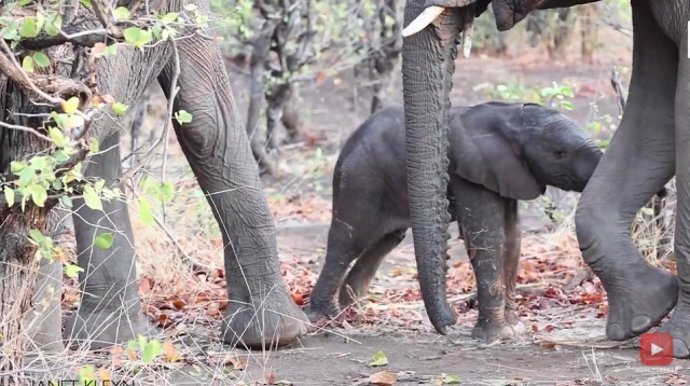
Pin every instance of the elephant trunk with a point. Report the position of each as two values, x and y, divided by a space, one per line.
587 160
428 65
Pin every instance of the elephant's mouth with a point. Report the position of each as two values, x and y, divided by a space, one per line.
431 13
510 12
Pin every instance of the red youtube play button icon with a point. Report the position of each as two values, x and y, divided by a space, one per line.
656 349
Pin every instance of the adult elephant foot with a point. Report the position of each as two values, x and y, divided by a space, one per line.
98 329
639 301
269 322
678 325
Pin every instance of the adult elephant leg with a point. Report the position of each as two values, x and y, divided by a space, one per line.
260 309
679 323
428 63
637 164
109 310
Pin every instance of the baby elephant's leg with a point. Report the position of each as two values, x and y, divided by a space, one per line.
481 214
511 262
345 244
356 285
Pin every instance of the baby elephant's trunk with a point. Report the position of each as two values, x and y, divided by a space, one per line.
587 160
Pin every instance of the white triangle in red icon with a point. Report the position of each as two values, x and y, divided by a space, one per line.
654 349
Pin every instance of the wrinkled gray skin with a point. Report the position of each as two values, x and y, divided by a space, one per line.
499 153
260 310
649 147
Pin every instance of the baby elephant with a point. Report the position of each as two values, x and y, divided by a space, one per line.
499 153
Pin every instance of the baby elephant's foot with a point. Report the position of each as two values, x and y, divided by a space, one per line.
319 311
491 331
678 326
515 323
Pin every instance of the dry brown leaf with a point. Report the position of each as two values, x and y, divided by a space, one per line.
104 375
383 378
116 352
164 320
132 354
547 344
170 352
145 286
675 380
178 304
270 378
239 363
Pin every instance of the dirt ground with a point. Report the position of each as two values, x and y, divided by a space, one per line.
564 343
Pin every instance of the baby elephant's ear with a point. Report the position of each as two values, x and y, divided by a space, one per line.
484 156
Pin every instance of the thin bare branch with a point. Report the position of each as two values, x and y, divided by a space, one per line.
26 129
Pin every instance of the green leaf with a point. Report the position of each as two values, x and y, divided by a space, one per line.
53 26
11 32
112 49
119 109
66 201
28 64
56 135
567 105
86 3
91 198
71 105
152 349
104 241
36 236
72 270
17 166
26 176
39 195
166 192
41 59
169 17
122 13
450 379
94 146
137 36
183 117
29 28
379 359
145 213
9 196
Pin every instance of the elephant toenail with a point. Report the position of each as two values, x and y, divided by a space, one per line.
680 349
614 331
641 323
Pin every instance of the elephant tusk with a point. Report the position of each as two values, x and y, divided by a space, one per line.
467 38
428 15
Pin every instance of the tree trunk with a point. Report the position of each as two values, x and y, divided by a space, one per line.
18 272
588 30
18 266
291 115
261 46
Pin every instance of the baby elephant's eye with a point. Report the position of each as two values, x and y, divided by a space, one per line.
559 154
